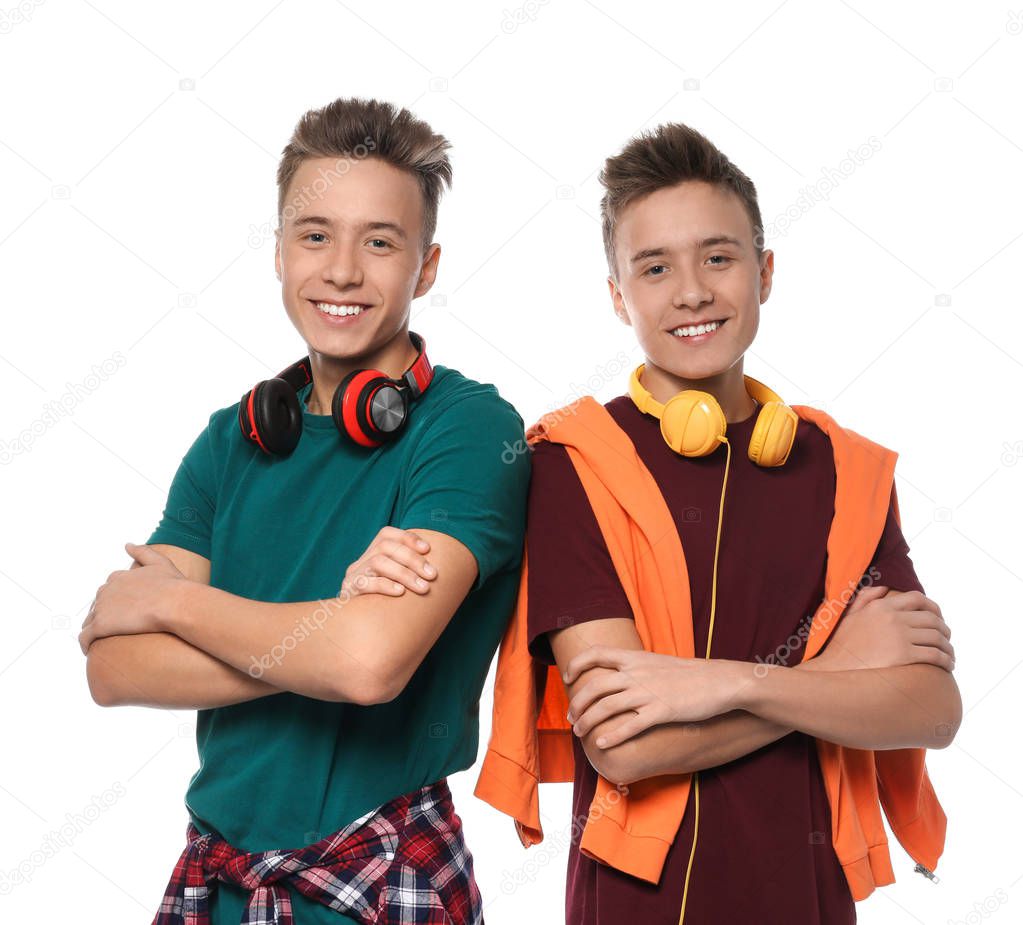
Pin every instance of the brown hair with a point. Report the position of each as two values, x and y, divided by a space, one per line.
354 128
669 154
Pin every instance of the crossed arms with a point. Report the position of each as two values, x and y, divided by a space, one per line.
883 681
192 646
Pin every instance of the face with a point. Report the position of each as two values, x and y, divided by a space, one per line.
685 256
356 243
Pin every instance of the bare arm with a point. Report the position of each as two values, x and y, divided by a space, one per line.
671 748
907 706
161 670
885 632
361 649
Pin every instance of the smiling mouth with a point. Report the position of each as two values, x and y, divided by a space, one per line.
687 331
340 310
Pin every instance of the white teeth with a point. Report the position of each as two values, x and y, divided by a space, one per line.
696 329
329 309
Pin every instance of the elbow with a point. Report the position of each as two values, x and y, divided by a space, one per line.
99 687
373 694
618 765
375 684
945 731
950 712
97 676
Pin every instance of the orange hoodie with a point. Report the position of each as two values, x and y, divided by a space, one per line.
531 742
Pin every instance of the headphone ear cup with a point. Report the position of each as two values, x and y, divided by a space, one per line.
351 407
693 423
773 435
276 415
243 417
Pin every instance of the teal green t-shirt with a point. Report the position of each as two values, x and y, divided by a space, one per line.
285 770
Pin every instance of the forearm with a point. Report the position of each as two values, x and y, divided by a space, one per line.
308 647
908 706
677 748
161 670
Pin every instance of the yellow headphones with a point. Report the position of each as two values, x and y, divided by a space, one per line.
693 424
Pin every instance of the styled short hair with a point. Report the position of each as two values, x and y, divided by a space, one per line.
665 156
353 129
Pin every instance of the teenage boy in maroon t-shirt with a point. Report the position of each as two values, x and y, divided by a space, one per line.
682 231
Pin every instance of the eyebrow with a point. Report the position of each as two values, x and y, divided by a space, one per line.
700 245
394 227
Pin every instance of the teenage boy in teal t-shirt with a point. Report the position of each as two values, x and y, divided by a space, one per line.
331 611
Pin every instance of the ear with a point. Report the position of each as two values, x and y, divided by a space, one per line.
618 302
766 274
277 253
428 273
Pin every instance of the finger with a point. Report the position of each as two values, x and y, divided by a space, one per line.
372 584
932 638
927 619
407 557
604 709
145 555
914 600
932 656
409 537
613 682
414 541
400 574
593 657
627 729
865 596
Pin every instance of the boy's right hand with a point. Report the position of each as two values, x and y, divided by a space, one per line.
393 561
884 629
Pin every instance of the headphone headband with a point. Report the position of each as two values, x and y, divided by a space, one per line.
649 405
369 407
416 378
693 424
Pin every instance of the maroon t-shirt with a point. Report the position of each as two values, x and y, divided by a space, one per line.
764 852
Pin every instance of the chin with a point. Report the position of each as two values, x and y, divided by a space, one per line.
702 368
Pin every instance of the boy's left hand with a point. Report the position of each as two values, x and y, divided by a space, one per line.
655 688
130 600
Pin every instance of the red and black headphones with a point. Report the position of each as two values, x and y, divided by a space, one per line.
369 407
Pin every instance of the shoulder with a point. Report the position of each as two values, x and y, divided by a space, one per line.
817 427
455 399
550 465
222 429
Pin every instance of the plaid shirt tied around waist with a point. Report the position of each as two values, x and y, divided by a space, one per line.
404 862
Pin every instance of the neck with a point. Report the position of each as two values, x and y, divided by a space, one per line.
728 388
392 359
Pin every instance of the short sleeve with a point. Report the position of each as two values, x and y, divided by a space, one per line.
571 577
468 478
191 502
891 565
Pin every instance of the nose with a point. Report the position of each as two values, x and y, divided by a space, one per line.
342 267
692 292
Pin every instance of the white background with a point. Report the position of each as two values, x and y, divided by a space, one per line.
138 148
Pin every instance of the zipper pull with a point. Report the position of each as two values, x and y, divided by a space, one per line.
929 874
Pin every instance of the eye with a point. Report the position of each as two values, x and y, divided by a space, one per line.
650 270
314 234
720 257
380 241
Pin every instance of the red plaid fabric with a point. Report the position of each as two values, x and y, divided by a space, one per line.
403 863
